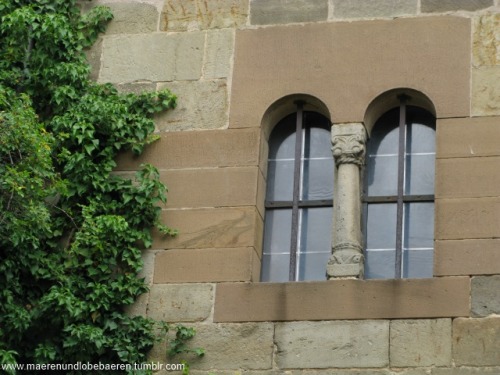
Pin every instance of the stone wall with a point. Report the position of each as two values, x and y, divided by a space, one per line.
227 62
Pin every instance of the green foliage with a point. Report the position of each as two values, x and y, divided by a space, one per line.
71 231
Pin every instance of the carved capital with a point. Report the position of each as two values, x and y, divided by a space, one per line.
348 144
347 260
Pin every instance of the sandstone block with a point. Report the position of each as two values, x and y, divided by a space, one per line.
486 40
467 218
210 228
93 55
472 177
467 257
200 105
136 88
430 6
266 12
205 265
180 302
476 342
419 343
485 295
486 91
152 57
339 344
247 346
372 9
218 52
182 15
466 371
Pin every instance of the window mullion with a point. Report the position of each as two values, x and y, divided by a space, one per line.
401 182
296 193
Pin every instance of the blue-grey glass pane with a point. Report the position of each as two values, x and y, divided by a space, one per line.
280 180
418 263
419 174
282 140
381 226
380 264
319 143
316 227
384 139
382 178
275 267
419 225
312 266
317 179
277 231
421 138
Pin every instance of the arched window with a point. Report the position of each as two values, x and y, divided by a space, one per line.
399 194
297 233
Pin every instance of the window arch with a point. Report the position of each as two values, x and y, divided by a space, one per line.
399 194
299 198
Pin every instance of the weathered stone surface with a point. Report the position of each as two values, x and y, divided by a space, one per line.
372 9
472 177
218 52
200 105
468 137
152 57
486 40
476 341
129 17
486 91
337 344
180 302
211 187
467 257
268 12
429 6
93 55
485 295
466 371
467 218
234 346
419 343
136 87
209 228
141 304
206 265
194 149
182 15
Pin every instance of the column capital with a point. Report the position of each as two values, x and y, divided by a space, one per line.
348 143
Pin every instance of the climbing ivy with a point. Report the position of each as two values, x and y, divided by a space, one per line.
71 231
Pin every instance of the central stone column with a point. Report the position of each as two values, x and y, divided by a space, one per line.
348 147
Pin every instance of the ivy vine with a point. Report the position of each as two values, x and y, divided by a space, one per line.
71 231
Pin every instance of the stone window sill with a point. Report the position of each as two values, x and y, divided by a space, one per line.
343 300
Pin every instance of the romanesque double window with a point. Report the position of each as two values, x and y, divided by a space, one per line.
383 202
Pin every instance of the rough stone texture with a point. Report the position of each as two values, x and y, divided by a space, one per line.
476 341
268 12
372 9
484 293
93 55
467 137
486 91
180 302
182 15
486 40
136 88
473 177
234 346
206 265
129 17
332 371
467 257
214 187
152 57
430 6
343 299
466 371
467 218
332 344
200 105
210 228
419 343
192 149
218 52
